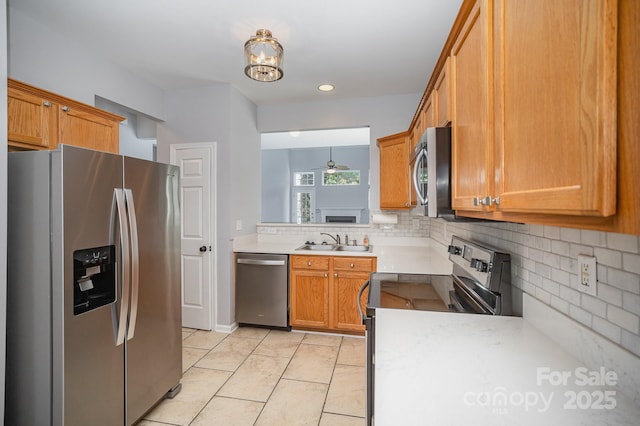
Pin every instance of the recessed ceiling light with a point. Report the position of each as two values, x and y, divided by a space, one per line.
326 87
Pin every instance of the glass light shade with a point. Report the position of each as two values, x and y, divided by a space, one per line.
331 171
263 57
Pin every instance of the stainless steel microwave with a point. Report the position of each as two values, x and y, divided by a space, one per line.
430 169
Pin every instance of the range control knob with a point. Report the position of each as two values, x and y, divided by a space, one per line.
454 250
481 266
473 262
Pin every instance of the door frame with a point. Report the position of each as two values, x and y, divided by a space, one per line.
213 266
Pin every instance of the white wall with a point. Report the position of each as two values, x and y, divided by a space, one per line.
220 114
385 115
131 144
276 178
41 57
3 201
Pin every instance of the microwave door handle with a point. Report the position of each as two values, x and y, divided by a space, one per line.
416 168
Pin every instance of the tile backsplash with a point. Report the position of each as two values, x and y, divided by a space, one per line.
544 265
408 226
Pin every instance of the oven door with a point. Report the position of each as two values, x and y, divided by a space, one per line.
419 176
463 300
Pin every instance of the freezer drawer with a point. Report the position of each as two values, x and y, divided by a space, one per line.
262 289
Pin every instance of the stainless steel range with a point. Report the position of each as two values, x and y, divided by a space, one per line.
480 284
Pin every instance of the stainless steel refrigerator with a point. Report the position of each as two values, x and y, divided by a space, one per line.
94 297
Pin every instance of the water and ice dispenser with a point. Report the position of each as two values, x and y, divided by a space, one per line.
94 276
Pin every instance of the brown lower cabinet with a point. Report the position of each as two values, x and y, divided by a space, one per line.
324 292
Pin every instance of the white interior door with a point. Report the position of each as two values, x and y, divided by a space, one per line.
198 254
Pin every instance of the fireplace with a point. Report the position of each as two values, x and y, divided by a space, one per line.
340 219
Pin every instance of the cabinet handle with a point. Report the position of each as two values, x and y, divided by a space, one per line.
351 265
326 275
65 108
46 103
309 263
335 274
484 201
496 201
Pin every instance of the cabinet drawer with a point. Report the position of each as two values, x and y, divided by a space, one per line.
353 264
310 262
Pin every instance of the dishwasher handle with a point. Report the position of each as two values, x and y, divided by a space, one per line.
261 262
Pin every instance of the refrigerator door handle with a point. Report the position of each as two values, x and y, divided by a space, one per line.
135 262
126 258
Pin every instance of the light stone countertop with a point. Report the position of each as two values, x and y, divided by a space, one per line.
402 255
456 369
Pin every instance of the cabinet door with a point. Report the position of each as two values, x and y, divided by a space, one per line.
82 128
309 299
394 172
556 106
429 111
472 111
345 314
32 120
442 94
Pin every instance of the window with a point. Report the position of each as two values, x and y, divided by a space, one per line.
303 205
303 179
341 177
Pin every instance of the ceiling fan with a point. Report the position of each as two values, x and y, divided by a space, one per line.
331 165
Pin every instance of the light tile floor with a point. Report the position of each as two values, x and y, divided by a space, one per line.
265 377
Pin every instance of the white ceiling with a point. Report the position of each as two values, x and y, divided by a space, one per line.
363 47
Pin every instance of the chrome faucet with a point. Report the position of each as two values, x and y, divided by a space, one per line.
336 238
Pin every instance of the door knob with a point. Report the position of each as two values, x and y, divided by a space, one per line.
203 249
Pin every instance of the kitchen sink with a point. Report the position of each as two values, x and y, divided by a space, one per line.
355 248
334 247
318 247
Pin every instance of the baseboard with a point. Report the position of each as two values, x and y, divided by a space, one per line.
221 328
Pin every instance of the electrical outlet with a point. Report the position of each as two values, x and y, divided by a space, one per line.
239 225
587 280
269 230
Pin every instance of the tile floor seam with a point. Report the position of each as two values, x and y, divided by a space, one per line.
214 395
280 378
333 371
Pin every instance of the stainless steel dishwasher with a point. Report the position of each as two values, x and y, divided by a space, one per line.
262 290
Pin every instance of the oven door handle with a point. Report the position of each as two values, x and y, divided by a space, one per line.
365 285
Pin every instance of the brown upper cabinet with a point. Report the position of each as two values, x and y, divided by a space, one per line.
555 133
428 111
472 107
543 107
546 142
442 97
38 119
395 192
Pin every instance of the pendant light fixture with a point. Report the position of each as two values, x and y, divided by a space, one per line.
263 57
